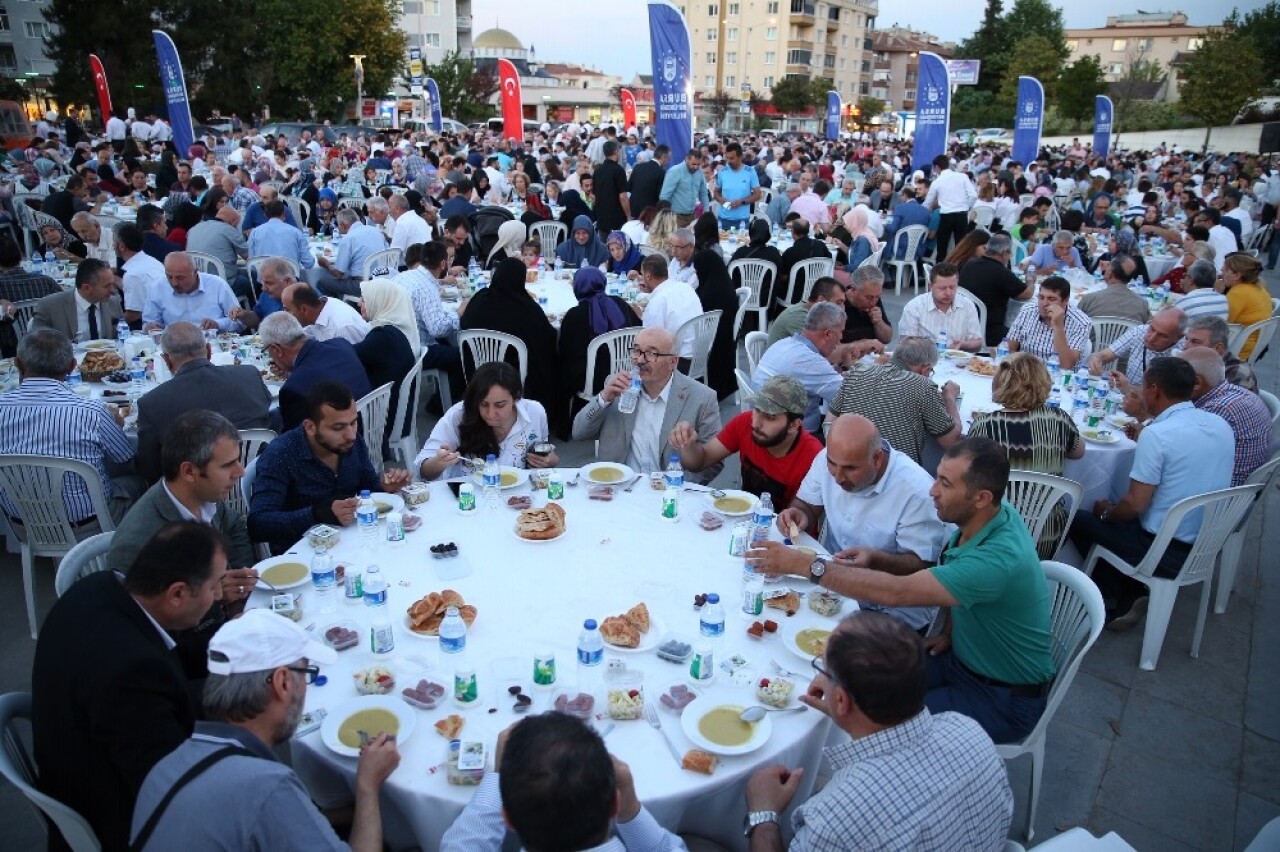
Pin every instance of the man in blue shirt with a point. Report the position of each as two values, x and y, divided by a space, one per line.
737 189
255 215
341 277
908 212
200 298
277 238
274 275
308 362
684 188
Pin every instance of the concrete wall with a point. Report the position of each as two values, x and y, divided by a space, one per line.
1235 137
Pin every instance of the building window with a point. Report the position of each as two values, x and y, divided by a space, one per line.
731 33
771 33
431 40
433 7
36 29
1073 45
866 65
711 58
8 58
841 64
709 81
713 10
4 19
771 8
844 41
412 8
1145 44
1194 43
712 34
733 8
863 87
799 57
768 81
731 57
1115 68
413 39
1119 45
770 57
730 82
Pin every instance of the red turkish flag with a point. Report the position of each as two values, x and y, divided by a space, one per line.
512 112
628 109
100 83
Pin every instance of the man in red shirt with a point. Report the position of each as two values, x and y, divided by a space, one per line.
774 448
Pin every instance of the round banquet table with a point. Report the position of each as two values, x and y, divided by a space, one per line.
533 596
1159 264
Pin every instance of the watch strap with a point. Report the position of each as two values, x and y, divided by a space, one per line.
756 819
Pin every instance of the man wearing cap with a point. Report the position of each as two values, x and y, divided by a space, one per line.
775 450
259 668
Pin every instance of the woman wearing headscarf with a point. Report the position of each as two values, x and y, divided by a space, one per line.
324 213
715 292
390 349
574 208
862 241
595 314
56 240
510 238
1122 241
583 246
706 232
624 257
506 306
758 248
167 174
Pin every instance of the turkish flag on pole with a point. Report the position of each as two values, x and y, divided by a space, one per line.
100 83
628 109
512 112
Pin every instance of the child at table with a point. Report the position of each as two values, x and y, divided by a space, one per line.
531 253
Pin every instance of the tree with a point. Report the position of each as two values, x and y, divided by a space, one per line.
1039 18
1134 85
1261 28
792 94
1221 77
121 39
989 43
464 90
1078 84
717 106
869 108
1033 56
818 89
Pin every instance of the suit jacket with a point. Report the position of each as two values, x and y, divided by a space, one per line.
109 699
687 400
58 311
236 392
646 186
320 360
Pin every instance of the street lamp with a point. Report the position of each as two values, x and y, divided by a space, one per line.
358 58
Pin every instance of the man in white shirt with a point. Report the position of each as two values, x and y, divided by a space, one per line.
140 130
954 195
681 265
324 318
1221 238
671 304
141 271
410 228
940 310
116 133
1231 208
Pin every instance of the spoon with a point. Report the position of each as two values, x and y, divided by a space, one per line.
633 482
756 713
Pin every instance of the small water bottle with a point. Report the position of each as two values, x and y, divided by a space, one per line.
491 480
1002 350
542 266
367 519
559 264
1082 378
590 655
382 639
943 342
50 262
395 528
325 580
711 618
37 264
122 333
674 475
1080 404
137 374
1055 399
762 520
630 396
74 378
1055 366
453 632
752 592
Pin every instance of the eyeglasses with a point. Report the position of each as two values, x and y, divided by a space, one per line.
818 667
311 672
649 355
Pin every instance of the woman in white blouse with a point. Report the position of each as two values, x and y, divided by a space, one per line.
493 417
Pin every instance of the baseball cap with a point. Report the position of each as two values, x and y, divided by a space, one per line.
260 640
781 394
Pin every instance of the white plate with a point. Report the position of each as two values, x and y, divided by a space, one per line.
395 501
704 704
99 345
1121 420
427 637
280 560
791 628
745 495
391 703
648 641
538 540
1103 436
627 473
522 476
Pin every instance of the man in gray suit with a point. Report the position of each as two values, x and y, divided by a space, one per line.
236 392
640 439
89 312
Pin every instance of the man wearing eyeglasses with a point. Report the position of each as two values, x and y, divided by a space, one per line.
641 439
259 668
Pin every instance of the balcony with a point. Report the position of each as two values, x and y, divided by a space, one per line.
802 13
464 23
799 44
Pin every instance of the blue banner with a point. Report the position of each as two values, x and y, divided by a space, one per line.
1102 113
672 84
834 108
175 92
933 110
433 92
1028 122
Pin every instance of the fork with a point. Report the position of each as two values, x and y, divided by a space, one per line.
782 670
651 716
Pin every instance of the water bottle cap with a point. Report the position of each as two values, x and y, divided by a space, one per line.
713 598
490 457
451 612
364 493
589 624
674 457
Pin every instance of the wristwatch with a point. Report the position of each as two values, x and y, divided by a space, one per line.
758 818
817 569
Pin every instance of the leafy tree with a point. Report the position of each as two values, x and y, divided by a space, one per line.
1221 77
1039 18
869 108
121 39
1130 89
1261 28
989 43
1033 56
1078 84
792 94
819 87
464 90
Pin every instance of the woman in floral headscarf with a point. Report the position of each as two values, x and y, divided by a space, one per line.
624 257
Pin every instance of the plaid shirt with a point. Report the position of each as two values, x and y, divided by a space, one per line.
1036 336
1249 419
1132 345
242 198
930 783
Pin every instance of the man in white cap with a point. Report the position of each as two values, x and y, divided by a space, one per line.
259 668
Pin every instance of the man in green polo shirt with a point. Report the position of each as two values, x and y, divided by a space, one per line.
992 660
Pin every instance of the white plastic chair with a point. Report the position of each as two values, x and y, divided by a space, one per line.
1229 558
1221 513
87 557
744 304
873 259
383 263
745 392
983 217
804 272
373 415
619 344
23 311
1273 405
486 346
356 204
979 306
753 273
262 549
1264 329
549 235
915 234
755 344
208 263
252 443
17 766
405 447
1105 331
301 210
1076 617
703 330
34 486
1258 238
1035 495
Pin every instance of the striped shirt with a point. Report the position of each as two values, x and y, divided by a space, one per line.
1249 419
1035 335
1132 344
903 405
434 322
43 417
18 285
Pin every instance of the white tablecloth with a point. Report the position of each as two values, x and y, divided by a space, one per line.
529 595
1159 264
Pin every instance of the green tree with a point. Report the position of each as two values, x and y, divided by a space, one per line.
818 88
717 106
464 90
1221 77
1261 28
1078 84
1134 86
991 44
1033 56
869 108
121 39
792 94
1037 18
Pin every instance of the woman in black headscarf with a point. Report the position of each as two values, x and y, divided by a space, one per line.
758 248
715 292
583 246
706 232
595 314
506 306
573 207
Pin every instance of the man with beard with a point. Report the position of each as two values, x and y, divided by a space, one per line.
259 668
776 451
314 473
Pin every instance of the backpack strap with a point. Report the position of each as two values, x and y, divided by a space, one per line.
190 775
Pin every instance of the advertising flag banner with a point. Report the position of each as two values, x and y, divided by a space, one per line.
628 109
1029 120
672 89
1102 114
512 111
433 92
933 110
175 92
100 83
415 70
833 115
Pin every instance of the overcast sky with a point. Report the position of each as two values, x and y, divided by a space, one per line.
612 35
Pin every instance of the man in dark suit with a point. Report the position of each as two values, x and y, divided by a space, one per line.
236 392
154 230
803 248
460 204
65 203
109 697
306 363
908 212
89 312
646 180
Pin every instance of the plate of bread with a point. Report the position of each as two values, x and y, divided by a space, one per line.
425 615
634 630
541 524
982 367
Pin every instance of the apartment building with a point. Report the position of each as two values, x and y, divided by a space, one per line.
895 64
1165 38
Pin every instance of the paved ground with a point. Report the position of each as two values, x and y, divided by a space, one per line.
1186 757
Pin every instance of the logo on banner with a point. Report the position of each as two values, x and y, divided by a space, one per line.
932 94
1029 107
670 67
509 86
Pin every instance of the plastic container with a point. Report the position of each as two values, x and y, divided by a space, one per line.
342 635
631 396
624 695
375 680
426 694
322 537
461 759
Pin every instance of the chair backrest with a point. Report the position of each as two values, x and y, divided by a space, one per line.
1035 495
382 263
979 305
756 343
1220 513
703 331
983 217
208 263
873 259
87 557
301 210
745 392
356 204
1273 405
252 443
254 267
1261 332
373 414
549 235
1275 307
485 345
766 194
23 311
1258 238
18 767
1105 331
406 413
34 486
753 273
1052 218
914 234
809 271
618 344
744 302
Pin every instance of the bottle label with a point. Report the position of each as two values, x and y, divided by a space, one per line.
464 687
367 519
395 531
352 584
467 501
711 628
590 658
555 489
381 639
453 644
752 601
544 670
670 506
375 597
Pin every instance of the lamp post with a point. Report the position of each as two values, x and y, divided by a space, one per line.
358 59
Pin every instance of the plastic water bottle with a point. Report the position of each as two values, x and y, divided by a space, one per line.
491 479
943 342
37 264
1055 399
137 373
325 580
1080 404
1002 350
50 262
674 475
74 378
590 656
631 396
453 632
752 592
473 272
762 520
1082 379
584 264
711 618
367 520
542 266
559 264
1055 366
382 639
122 333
